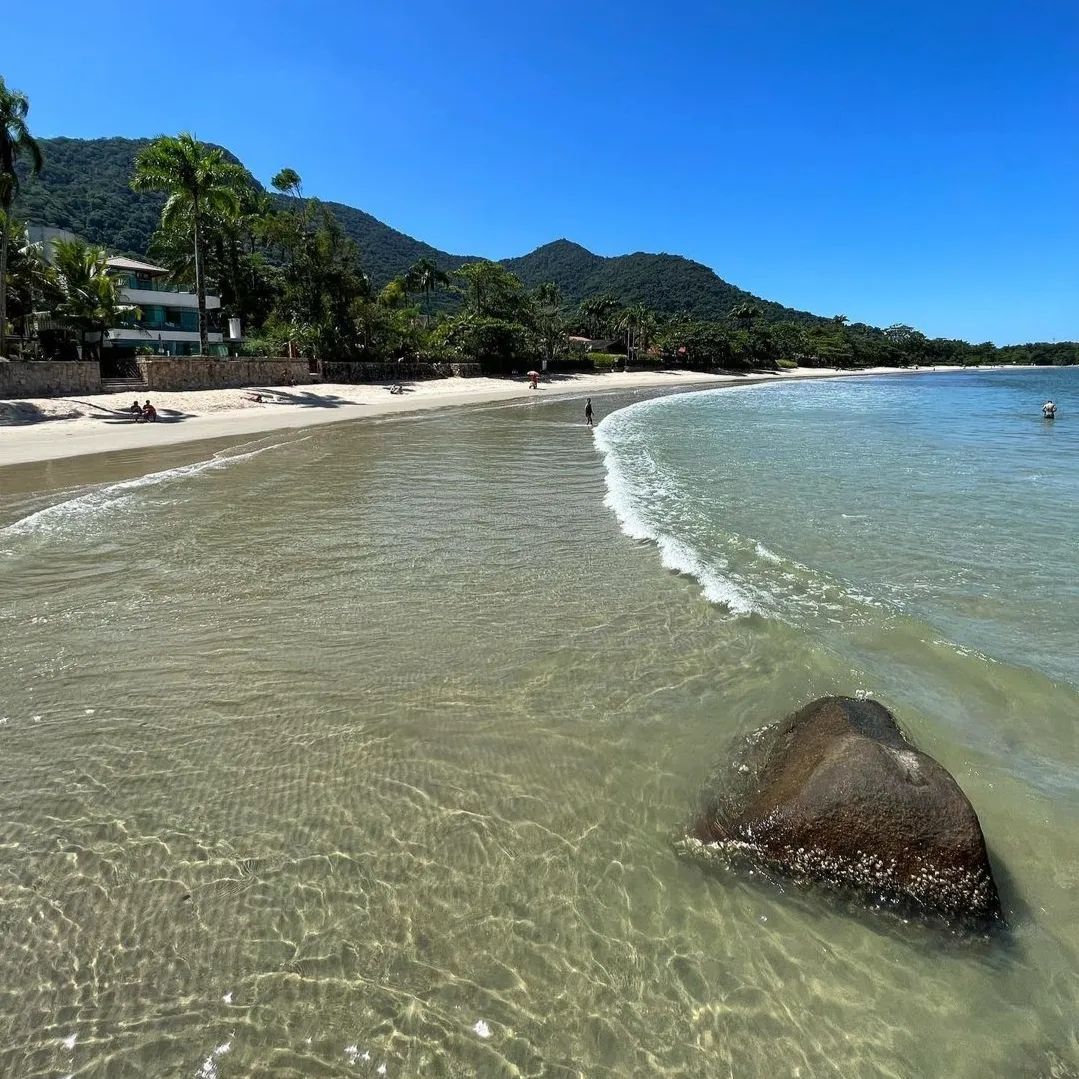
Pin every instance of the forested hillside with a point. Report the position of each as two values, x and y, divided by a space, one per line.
334 282
85 187
668 284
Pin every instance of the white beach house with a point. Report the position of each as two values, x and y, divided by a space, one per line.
168 322
168 317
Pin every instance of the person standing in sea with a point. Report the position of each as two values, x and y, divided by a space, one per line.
588 412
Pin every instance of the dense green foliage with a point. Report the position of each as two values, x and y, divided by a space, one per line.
668 284
16 143
85 188
329 281
203 198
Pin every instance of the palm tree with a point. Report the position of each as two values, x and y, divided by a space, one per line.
547 316
600 311
425 276
639 323
199 183
746 314
90 294
15 140
31 280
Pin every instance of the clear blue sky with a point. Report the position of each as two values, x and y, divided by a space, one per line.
894 161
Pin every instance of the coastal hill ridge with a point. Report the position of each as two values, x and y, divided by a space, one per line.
84 187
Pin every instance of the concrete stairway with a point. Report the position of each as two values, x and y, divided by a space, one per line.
122 385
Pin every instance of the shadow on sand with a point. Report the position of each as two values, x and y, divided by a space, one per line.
303 398
23 413
122 415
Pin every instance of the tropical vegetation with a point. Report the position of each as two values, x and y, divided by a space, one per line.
203 195
15 142
327 281
88 300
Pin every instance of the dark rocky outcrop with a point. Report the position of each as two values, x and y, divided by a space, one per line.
835 793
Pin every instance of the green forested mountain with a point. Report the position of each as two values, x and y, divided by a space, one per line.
385 252
669 284
85 188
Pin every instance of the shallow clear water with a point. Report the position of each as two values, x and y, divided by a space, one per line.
376 739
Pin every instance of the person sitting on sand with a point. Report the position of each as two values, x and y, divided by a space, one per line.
136 408
149 414
397 388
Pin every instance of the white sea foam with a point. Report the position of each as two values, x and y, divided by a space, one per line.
208 1070
651 505
77 511
715 588
767 555
631 489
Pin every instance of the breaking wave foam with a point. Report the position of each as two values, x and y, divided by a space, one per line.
89 505
744 576
628 490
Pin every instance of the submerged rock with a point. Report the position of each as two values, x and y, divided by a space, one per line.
836 794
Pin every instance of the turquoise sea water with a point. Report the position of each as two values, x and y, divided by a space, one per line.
369 746
940 508
943 497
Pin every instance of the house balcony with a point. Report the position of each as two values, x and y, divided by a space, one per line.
144 297
147 335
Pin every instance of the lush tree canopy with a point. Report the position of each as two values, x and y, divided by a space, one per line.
330 281
15 142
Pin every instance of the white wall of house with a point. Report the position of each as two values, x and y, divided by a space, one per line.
150 337
144 297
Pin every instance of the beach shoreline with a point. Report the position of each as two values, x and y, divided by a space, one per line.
49 429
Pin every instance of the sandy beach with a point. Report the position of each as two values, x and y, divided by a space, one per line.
49 428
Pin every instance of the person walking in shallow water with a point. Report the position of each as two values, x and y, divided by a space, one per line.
588 412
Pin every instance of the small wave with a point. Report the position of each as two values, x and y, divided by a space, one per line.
716 588
749 577
624 495
767 555
59 516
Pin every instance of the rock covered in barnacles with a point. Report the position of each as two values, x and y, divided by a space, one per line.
835 793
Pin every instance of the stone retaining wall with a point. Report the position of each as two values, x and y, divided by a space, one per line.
48 378
56 378
200 373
